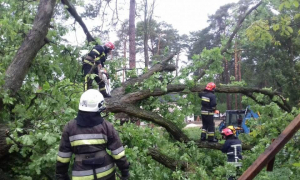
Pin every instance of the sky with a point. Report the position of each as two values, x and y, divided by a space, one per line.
184 15
187 15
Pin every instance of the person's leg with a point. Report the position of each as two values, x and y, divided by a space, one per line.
211 129
204 127
87 80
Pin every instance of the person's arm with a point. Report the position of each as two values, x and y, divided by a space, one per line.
225 147
100 55
200 95
64 156
213 102
118 152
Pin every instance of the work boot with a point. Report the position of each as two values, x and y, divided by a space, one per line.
212 139
203 136
105 95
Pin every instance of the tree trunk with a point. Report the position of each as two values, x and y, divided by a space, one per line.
236 71
159 36
124 68
146 35
240 77
34 41
132 35
177 60
227 80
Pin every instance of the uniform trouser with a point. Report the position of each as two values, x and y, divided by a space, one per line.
87 69
208 126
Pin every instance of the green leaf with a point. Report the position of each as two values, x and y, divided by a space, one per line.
276 27
281 6
296 4
289 29
296 164
27 140
297 16
46 86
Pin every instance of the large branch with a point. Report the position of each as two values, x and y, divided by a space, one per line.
167 161
228 44
140 95
74 13
33 42
117 107
174 164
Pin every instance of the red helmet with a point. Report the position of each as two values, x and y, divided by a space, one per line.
110 45
227 132
210 86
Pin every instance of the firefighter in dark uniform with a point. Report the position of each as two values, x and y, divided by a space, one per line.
233 148
87 137
96 58
207 112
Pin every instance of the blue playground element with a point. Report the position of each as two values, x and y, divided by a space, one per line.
238 118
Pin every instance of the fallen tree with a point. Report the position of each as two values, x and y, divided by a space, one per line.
122 101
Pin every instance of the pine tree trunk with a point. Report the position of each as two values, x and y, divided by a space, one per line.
227 78
240 77
177 60
236 70
146 35
158 44
124 68
132 35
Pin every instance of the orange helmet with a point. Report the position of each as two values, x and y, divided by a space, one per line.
210 86
110 45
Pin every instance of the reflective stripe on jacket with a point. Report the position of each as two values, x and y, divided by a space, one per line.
98 55
233 149
90 144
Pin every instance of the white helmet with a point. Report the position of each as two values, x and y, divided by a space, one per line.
91 101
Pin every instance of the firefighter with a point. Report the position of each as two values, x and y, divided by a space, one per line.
233 148
94 61
87 137
207 112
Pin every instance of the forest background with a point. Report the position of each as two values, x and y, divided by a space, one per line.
250 49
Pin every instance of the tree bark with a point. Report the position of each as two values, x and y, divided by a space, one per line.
177 61
167 161
146 54
236 71
124 68
34 41
227 80
132 35
240 76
